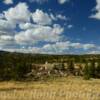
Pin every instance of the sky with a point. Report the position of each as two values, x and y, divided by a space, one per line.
50 26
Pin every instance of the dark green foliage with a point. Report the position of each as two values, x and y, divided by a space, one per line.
20 70
17 65
92 70
98 71
59 67
71 67
86 72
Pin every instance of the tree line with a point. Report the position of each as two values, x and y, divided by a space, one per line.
15 66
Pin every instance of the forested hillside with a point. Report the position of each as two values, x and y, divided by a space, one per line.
18 65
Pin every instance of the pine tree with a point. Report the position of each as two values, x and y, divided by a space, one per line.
71 67
92 69
86 72
98 71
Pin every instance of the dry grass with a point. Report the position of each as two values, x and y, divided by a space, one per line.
59 89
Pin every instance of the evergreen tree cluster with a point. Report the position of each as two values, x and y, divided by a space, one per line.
15 66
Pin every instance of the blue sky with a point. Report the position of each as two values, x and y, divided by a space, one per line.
50 26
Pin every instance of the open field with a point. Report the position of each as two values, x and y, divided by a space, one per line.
59 89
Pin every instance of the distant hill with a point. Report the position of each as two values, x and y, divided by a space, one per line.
42 58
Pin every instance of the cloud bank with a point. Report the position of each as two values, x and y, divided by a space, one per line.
22 30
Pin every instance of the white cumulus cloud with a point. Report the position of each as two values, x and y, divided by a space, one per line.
69 26
19 13
59 16
62 1
39 33
41 17
38 1
97 9
8 1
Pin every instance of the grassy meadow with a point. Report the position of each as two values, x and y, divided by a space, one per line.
70 88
